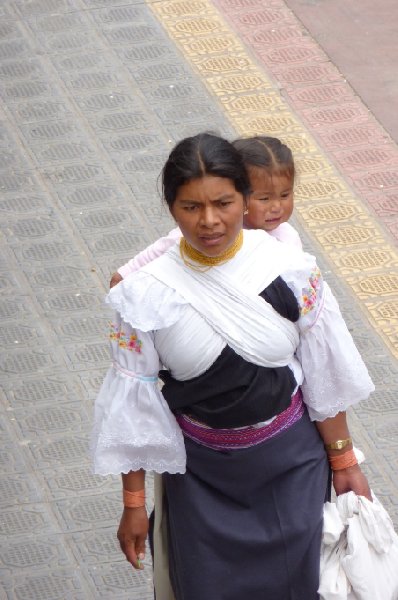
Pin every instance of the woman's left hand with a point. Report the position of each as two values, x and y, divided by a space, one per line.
351 480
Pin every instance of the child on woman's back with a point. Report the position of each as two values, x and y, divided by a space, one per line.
270 166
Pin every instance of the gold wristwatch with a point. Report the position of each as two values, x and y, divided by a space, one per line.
338 444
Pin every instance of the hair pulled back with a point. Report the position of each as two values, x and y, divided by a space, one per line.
266 153
200 155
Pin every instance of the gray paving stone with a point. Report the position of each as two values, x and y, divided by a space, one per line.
20 488
46 585
90 195
42 389
24 520
33 553
75 482
38 7
48 251
23 361
36 423
146 53
382 402
118 579
19 334
86 512
93 103
12 458
70 449
23 204
39 110
14 48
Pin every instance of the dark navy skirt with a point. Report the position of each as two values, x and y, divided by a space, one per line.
247 524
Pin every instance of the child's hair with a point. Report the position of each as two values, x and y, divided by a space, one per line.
268 153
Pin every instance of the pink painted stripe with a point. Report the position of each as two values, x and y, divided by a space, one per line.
245 437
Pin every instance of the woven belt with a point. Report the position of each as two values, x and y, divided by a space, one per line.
244 437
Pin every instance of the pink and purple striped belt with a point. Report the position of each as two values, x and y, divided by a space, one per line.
244 437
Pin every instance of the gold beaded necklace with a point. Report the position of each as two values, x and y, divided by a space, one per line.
189 253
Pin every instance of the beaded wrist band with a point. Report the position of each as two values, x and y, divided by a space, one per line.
134 499
343 461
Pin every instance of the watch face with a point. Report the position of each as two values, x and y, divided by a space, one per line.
339 444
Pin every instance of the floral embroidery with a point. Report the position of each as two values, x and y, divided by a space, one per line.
309 295
131 342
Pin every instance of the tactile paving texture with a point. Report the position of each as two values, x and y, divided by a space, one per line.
94 94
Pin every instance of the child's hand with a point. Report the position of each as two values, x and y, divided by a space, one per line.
115 279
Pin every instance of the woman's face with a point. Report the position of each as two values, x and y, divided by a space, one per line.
209 212
271 200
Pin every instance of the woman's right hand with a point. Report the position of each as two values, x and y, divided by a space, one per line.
132 533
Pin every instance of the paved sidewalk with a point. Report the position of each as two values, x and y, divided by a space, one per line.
361 39
95 92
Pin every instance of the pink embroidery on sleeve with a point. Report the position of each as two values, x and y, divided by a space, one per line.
131 342
309 295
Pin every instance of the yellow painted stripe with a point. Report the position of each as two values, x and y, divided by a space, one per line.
351 238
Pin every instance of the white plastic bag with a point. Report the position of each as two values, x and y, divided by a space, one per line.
359 555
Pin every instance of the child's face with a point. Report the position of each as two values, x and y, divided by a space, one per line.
270 202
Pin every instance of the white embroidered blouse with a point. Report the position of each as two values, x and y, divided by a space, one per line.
158 324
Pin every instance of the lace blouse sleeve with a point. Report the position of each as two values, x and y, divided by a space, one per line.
335 376
133 426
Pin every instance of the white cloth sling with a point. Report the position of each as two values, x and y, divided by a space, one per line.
231 305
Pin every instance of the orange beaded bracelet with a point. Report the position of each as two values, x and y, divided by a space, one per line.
134 499
342 461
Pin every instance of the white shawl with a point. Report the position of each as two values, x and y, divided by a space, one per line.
227 298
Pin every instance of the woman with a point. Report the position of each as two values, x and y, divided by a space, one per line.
259 369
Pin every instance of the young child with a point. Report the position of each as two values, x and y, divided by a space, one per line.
271 170
270 166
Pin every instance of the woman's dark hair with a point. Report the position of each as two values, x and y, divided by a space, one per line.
266 153
200 155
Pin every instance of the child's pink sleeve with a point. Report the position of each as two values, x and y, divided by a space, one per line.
149 254
288 235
